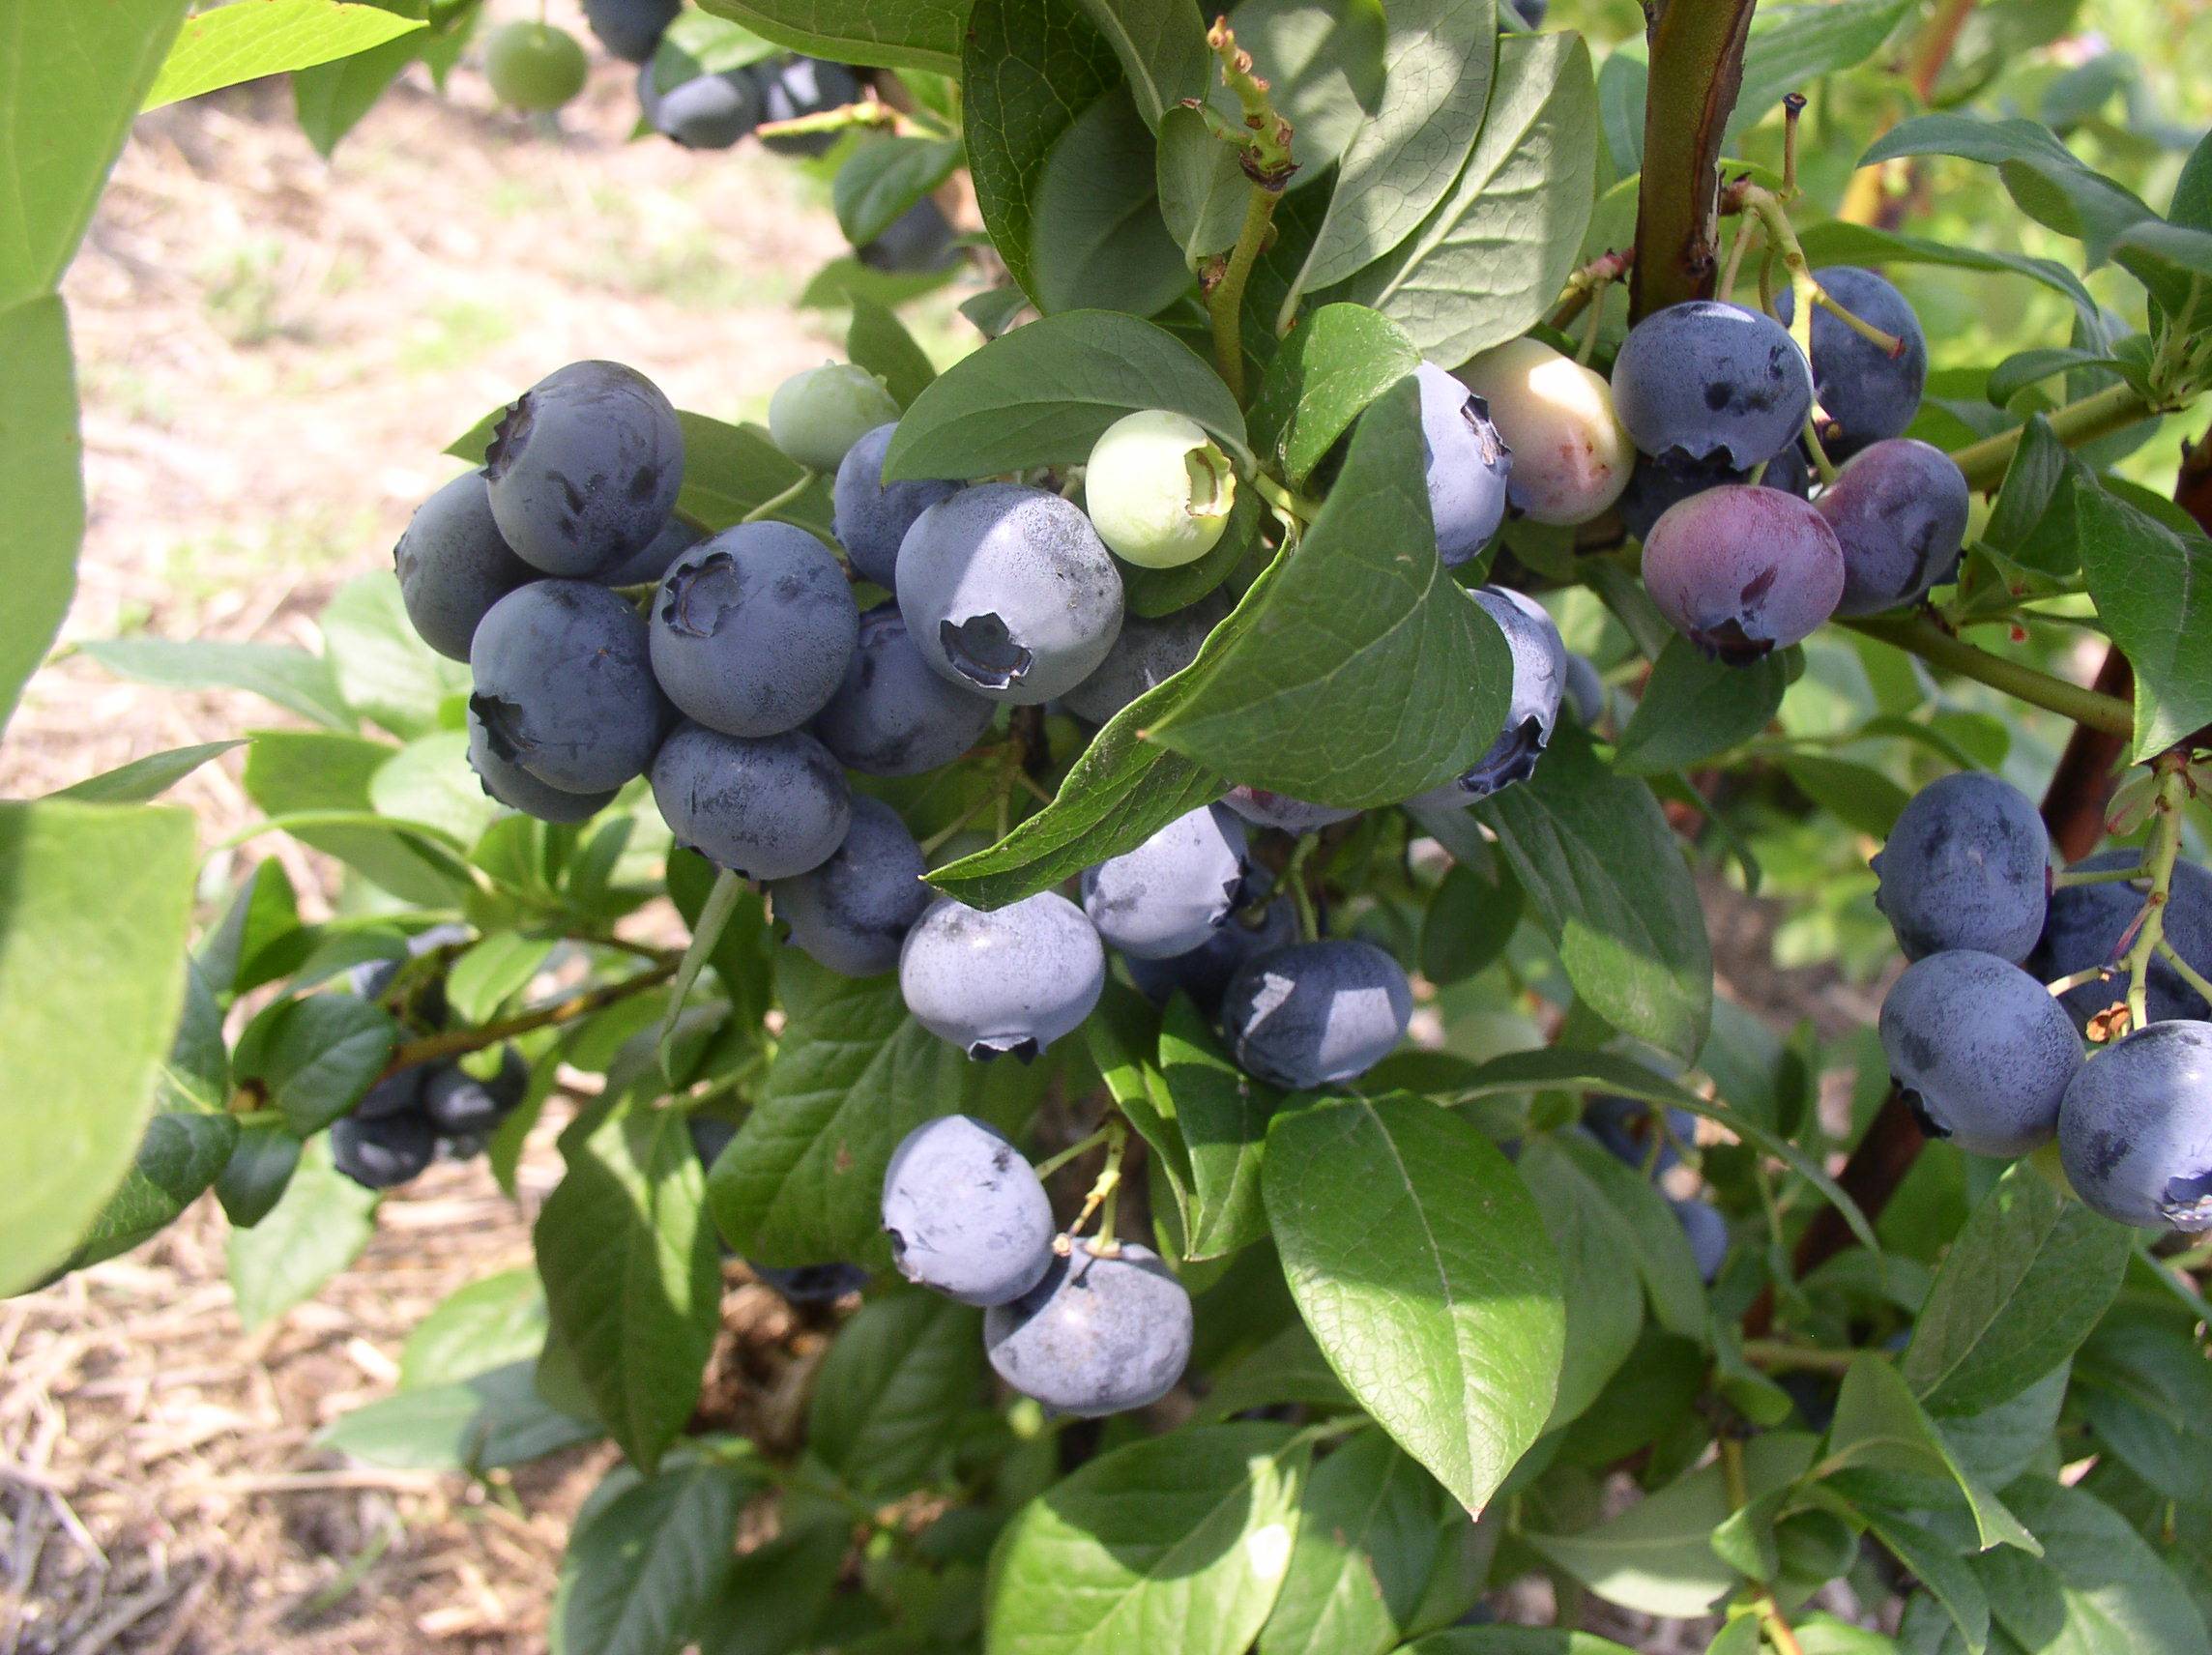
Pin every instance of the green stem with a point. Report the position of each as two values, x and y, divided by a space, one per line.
457 1042
2188 972
2114 409
1778 1355
1917 635
2159 858
1226 303
775 502
1052 1164
1295 879
2106 876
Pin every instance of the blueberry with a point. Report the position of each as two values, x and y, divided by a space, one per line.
1899 510
1709 383
871 515
1203 972
709 112
585 468
709 1135
1158 489
399 1093
1708 1235
1630 1130
533 66
454 565
1967 867
819 415
565 687
1530 15
1315 1013
1466 462
1584 691
1145 656
1011 981
1865 393
1979 1050
2087 925
753 630
1008 591
965 1214
1539 680
661 551
1741 571
630 29
803 86
892 715
852 911
1571 457
1657 484
920 242
2136 1130
811 1284
1167 895
519 790
1280 811
381 1153
1096 1335
459 1103
764 807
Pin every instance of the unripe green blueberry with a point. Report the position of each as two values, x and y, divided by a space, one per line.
533 66
1158 489
1571 457
816 417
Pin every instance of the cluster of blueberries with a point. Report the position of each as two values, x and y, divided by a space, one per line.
1989 1058
405 1119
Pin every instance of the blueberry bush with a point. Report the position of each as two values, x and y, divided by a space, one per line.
1156 880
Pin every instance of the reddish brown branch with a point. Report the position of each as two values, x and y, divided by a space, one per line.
1697 70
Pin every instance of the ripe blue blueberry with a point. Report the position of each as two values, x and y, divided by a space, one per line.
803 86
920 242
659 553
892 715
709 112
1466 464
630 29
965 1214
1865 393
765 807
1167 896
385 1151
1710 383
1316 1013
871 516
1280 811
811 1284
1571 457
460 1104
565 687
1899 510
454 565
818 415
2136 1132
1741 571
585 468
753 629
1539 680
1979 1050
852 911
1096 1335
1007 982
1707 1233
1630 1128
1528 15
399 1093
1203 972
1584 691
1145 656
711 1135
1967 867
1008 591
2088 927
1158 489
1657 484
517 789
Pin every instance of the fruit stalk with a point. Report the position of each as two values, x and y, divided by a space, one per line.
2159 858
1225 303
460 1043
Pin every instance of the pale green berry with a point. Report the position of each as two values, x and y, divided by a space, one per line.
816 417
1158 489
533 66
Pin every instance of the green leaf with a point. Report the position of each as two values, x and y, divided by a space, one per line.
490 1419
722 903
2114 1595
878 342
1664 1260
293 773
429 784
893 34
1222 1115
803 1180
2153 588
1999 1443
1044 393
260 1168
1162 48
1488 261
1791 46
313 1057
1420 1261
177 1161
2044 179
1097 233
697 42
1437 58
1335 363
1693 708
41 488
61 128
639 1571
1516 1641
1939 1568
1029 69
892 1392
289 677
382 668
1469 920
2146 1388
143 780
1604 1303
1309 698
883 178
492 1322
260 937
2027 1278
1122 1038
1179 1542
1879 1426
1374 1530
1859 796
1201 184
319 1228
332 98
244 42
1838 241
773 1595
493 971
1606 877
632 1281
94 905
1151 593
